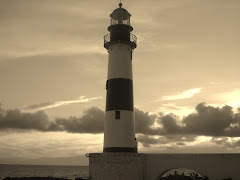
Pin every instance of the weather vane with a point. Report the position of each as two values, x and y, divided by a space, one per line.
120 4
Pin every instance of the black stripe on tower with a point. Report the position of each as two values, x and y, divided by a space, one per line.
119 94
120 149
120 33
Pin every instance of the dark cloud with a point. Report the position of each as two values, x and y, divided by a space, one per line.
206 121
144 122
15 119
169 123
91 122
220 123
209 120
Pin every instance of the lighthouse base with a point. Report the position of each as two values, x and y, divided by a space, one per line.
117 166
136 166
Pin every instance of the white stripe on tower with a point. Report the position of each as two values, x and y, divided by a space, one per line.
119 62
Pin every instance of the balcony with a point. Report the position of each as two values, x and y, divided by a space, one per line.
133 41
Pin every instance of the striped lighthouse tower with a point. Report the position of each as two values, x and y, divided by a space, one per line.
119 133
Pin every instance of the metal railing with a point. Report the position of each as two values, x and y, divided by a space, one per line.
133 38
106 38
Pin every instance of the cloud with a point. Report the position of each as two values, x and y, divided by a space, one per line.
50 105
227 142
15 119
205 121
34 147
148 141
91 122
54 26
169 123
170 106
212 121
208 121
144 122
180 110
183 95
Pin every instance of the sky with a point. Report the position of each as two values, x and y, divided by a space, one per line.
53 69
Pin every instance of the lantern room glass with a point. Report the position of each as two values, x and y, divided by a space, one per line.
120 17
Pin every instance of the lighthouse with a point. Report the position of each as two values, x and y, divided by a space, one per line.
120 160
119 132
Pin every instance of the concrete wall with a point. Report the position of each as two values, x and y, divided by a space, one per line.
131 166
117 166
215 166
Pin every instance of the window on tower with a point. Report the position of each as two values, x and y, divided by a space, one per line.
117 114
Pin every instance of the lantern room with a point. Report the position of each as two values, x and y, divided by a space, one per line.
120 16
120 29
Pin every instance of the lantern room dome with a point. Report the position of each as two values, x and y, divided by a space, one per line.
120 9
120 16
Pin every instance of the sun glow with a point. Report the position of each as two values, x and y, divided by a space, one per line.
231 98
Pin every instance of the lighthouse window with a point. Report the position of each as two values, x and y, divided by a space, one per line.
120 17
117 114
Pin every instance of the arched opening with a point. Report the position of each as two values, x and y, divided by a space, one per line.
181 174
